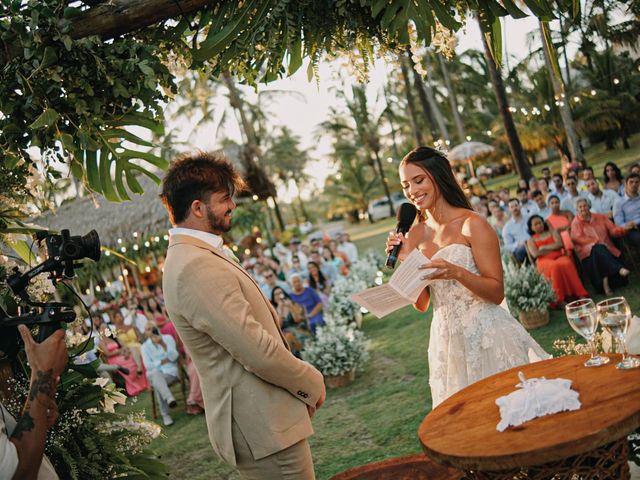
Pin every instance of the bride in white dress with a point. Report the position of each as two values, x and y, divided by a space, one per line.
472 335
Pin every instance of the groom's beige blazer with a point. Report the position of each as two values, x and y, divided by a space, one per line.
247 372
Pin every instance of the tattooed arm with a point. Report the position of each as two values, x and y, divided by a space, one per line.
47 361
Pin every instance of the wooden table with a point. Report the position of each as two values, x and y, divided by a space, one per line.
461 431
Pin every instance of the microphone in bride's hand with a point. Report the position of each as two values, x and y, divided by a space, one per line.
406 215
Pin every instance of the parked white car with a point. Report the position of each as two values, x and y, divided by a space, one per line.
379 208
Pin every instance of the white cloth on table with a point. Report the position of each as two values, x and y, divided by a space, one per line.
535 398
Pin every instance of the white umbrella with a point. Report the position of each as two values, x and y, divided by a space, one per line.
469 151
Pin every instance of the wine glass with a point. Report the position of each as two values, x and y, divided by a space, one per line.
614 315
582 317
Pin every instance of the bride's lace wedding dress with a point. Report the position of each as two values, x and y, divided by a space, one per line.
471 338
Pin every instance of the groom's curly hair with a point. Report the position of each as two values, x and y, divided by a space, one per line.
195 176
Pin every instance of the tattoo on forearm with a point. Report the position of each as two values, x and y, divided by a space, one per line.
42 384
25 424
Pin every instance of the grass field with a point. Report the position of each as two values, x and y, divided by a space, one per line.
378 415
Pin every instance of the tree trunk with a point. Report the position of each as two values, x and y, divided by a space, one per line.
453 102
419 86
276 207
263 186
575 151
413 116
437 113
385 185
564 51
302 208
513 140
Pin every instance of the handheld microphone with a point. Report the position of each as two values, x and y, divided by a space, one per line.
406 215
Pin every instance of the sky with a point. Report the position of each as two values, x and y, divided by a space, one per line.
304 112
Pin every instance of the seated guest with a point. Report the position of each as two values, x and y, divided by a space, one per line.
527 207
591 234
160 357
515 232
498 219
292 320
310 300
116 354
545 245
569 201
635 168
539 200
271 281
543 186
333 245
129 337
601 200
328 269
336 261
626 210
612 178
587 174
296 268
558 187
560 220
318 281
532 185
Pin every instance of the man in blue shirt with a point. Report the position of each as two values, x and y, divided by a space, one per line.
160 357
515 232
627 208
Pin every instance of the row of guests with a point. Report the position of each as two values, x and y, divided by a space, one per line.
590 234
150 358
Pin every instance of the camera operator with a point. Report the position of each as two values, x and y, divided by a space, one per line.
22 442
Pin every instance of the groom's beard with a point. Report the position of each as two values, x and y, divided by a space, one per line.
218 224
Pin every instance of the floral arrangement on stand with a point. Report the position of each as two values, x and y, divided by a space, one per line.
362 274
528 294
337 351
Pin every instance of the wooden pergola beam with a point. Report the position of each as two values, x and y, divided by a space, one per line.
117 17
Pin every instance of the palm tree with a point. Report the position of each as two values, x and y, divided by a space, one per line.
453 102
262 185
285 158
551 61
515 146
411 106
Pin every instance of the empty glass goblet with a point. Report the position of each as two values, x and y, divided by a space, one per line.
582 317
614 314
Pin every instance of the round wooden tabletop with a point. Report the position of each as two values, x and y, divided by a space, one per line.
461 431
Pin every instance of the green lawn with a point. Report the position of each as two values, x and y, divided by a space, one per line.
376 417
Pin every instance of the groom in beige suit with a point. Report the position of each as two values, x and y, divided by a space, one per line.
258 397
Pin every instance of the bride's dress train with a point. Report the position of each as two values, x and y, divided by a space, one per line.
471 338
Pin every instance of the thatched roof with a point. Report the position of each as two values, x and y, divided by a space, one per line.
144 213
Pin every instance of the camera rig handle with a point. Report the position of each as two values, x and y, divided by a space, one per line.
48 320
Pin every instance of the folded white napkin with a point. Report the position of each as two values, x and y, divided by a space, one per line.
536 397
633 336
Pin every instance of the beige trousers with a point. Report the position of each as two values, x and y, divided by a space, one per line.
293 463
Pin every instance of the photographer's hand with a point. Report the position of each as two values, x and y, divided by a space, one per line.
47 361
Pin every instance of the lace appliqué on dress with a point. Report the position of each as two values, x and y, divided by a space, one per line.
470 338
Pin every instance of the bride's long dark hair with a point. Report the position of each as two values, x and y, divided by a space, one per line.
437 166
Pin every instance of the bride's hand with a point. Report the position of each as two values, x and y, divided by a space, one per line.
445 270
395 239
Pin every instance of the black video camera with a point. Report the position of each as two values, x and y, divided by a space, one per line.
61 252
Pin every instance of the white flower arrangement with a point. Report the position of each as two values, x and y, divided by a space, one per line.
337 349
527 290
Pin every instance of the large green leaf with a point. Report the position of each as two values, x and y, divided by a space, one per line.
46 119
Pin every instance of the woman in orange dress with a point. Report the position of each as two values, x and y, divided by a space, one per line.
560 220
545 245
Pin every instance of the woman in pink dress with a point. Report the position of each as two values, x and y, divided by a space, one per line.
115 354
560 220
